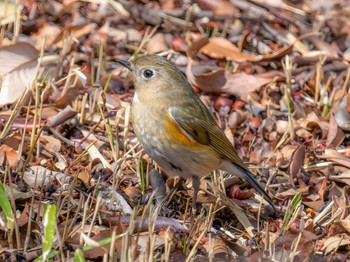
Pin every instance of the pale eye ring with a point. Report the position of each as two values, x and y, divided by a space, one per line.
148 73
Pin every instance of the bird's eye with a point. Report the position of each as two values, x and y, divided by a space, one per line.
148 73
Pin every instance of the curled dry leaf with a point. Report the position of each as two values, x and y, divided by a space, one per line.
99 251
157 44
16 193
344 177
342 116
24 216
75 31
339 227
134 194
335 135
216 247
37 176
236 192
303 250
221 48
218 80
10 154
18 72
51 143
219 7
323 189
143 243
296 163
335 242
313 124
285 155
288 193
49 32
335 156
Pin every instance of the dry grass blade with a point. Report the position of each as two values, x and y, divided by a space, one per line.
236 210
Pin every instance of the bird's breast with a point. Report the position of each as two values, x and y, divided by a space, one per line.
167 144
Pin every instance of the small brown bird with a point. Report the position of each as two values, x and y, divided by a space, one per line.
176 129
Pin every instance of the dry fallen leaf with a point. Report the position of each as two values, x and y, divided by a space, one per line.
335 156
335 135
221 48
219 7
334 242
296 163
304 246
18 73
10 154
157 44
221 81
342 117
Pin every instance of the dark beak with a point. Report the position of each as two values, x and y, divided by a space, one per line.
126 64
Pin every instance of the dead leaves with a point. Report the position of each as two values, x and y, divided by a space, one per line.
221 48
18 73
87 157
217 80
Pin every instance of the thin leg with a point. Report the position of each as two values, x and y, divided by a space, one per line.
171 192
196 183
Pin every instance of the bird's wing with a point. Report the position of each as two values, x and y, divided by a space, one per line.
205 132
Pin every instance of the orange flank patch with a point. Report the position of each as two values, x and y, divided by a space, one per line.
174 132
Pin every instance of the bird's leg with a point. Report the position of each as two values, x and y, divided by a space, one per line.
171 192
195 183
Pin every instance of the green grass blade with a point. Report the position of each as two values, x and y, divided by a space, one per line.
6 207
51 254
49 222
79 256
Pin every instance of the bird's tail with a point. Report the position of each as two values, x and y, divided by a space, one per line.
254 183
241 172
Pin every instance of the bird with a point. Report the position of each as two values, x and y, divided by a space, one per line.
175 127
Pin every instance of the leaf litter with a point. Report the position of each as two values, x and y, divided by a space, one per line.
274 73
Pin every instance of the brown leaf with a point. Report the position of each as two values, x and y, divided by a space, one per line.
97 252
221 48
304 247
342 117
51 143
11 156
323 188
296 163
49 32
339 227
285 155
217 80
24 216
312 123
75 31
236 192
219 7
196 46
157 44
315 205
333 155
335 135
334 242
216 247
18 72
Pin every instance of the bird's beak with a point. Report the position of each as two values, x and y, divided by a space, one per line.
126 64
